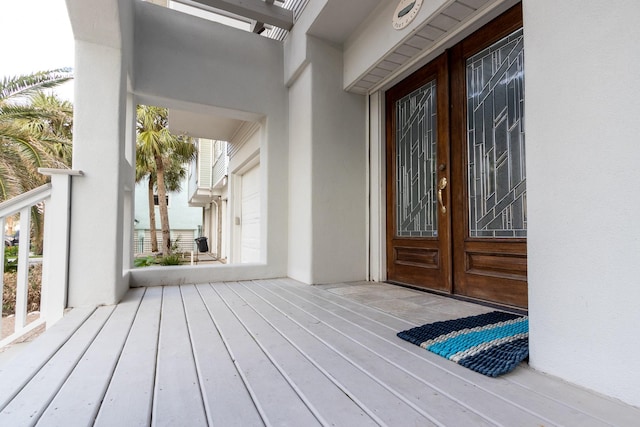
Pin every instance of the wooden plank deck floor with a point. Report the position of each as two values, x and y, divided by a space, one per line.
274 353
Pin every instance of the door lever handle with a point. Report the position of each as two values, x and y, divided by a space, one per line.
442 184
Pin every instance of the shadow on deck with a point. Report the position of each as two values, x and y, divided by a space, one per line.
274 352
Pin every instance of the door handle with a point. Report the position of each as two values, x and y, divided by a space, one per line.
442 184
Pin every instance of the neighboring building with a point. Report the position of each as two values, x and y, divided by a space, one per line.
231 210
185 221
385 140
208 190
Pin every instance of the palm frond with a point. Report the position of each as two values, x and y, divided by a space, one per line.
12 112
23 142
29 84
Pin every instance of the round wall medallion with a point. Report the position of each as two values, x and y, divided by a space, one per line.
405 13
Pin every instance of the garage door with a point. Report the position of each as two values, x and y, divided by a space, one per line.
250 216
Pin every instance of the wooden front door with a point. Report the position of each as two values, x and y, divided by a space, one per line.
456 195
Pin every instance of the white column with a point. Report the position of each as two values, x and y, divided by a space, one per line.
55 271
97 203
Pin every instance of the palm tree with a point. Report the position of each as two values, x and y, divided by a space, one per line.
175 173
56 127
158 151
146 170
31 130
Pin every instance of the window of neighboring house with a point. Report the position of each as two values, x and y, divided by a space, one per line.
156 200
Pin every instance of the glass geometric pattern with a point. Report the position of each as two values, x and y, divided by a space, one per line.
495 132
416 214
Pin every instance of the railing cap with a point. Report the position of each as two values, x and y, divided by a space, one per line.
19 202
52 171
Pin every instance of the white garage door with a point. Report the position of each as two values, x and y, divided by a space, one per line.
250 216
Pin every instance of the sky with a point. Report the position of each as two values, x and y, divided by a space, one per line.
36 36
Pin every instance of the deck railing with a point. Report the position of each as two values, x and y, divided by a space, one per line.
54 200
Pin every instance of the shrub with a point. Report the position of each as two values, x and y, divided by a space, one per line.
10 265
144 261
173 259
34 290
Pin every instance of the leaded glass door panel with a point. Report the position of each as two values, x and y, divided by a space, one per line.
418 229
488 160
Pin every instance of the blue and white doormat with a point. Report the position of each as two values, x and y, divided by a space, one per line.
491 344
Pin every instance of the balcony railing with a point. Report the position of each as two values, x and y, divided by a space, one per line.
53 199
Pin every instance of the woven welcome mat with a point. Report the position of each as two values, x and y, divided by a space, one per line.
492 343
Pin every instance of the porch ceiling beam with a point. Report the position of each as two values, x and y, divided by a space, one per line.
257 10
257 26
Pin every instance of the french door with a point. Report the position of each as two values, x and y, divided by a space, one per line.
456 181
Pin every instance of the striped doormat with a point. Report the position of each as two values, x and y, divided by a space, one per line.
491 344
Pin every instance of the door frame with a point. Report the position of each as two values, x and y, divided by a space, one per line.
509 21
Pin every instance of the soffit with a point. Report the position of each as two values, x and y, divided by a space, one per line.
432 36
203 125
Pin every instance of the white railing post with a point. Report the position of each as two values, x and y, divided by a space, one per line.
55 268
22 283
2 271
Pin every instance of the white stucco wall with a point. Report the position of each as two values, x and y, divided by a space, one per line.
338 156
295 45
583 103
192 64
327 187
300 206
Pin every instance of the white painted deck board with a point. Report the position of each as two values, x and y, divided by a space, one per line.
18 372
226 398
274 397
274 352
128 400
177 396
27 407
329 403
79 399
577 399
379 401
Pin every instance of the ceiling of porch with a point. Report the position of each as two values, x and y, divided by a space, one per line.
270 18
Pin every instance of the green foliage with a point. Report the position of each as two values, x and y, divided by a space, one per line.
173 259
10 265
144 261
175 245
35 130
33 290
10 259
